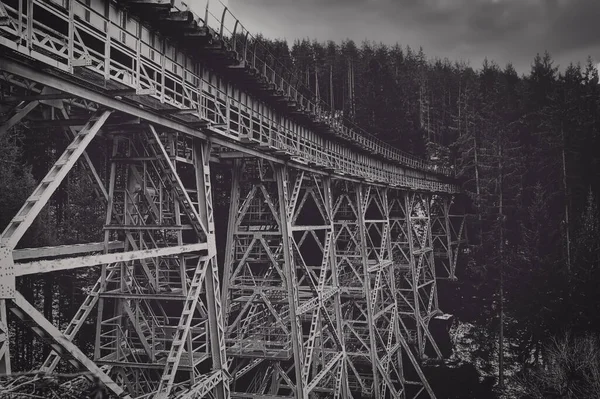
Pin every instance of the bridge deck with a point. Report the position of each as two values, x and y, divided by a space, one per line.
166 66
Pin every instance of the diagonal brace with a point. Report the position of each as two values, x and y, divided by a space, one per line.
59 342
18 116
38 199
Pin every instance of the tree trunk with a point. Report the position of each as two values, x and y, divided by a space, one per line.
501 247
331 89
477 186
565 187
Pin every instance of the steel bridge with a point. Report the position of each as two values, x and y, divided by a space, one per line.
334 244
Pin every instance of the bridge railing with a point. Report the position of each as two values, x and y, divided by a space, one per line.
252 52
101 46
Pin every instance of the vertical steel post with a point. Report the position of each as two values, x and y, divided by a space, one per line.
213 296
361 203
228 262
414 270
281 175
336 285
4 339
430 257
450 251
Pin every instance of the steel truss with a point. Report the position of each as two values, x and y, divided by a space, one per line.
283 313
413 252
320 304
327 281
334 242
448 234
159 313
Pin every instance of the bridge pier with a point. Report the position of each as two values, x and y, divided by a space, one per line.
448 233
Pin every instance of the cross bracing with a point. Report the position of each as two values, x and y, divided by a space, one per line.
334 242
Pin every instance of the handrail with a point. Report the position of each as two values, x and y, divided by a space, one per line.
335 119
176 82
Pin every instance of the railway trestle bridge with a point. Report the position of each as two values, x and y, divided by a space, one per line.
334 241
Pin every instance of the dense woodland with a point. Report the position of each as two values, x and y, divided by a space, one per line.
525 148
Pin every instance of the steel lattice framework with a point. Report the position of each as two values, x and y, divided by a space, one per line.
334 242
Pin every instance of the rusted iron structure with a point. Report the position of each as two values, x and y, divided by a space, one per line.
335 240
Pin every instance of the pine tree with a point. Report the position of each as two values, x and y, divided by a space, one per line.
586 270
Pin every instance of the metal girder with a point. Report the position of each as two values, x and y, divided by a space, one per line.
37 97
4 17
20 112
232 222
448 234
45 266
88 164
206 384
281 177
62 250
213 295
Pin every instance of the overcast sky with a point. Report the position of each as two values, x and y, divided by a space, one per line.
470 30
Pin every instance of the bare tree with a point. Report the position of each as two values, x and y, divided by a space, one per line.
571 370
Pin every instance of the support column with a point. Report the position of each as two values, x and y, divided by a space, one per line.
448 233
457 232
232 222
19 112
200 317
312 243
213 295
342 383
263 349
422 269
361 201
4 339
289 270
351 266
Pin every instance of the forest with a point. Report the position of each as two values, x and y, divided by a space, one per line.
524 148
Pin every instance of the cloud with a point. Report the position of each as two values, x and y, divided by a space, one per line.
574 24
503 30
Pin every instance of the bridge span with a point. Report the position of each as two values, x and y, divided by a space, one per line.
334 242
